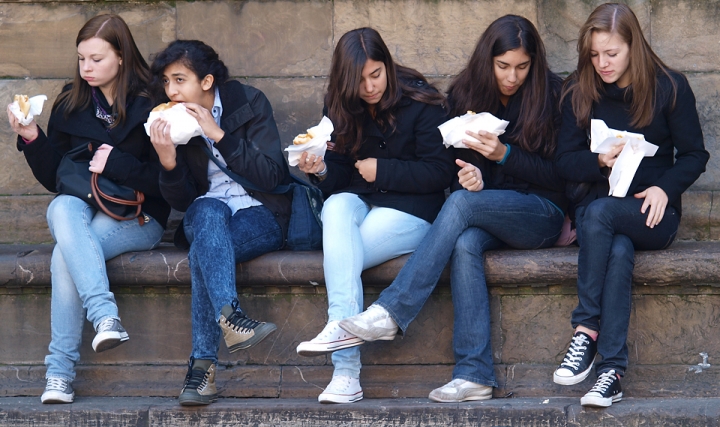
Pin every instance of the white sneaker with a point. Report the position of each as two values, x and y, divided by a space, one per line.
342 389
332 338
373 324
58 390
459 390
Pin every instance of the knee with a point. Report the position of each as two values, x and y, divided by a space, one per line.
64 208
206 209
467 244
339 206
597 215
622 249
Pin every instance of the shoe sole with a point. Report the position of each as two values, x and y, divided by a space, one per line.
260 334
310 350
197 400
109 340
336 398
57 397
577 379
599 402
465 399
358 332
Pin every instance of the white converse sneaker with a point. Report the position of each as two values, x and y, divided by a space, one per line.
332 338
342 389
373 324
459 390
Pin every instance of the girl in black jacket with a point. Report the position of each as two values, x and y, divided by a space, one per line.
105 106
385 172
620 80
508 193
224 222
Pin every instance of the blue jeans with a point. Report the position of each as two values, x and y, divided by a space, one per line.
608 231
219 240
469 224
357 236
85 240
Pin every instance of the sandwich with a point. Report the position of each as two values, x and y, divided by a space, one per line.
24 103
164 106
303 138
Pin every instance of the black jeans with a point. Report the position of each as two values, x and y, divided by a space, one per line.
608 231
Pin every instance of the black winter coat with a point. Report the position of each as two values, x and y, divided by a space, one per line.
675 130
523 171
133 161
250 147
413 165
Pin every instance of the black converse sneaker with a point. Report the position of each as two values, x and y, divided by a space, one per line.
240 331
578 361
199 387
605 392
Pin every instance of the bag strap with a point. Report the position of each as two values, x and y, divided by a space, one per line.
280 189
99 196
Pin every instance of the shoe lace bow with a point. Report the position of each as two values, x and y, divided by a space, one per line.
239 321
576 351
603 382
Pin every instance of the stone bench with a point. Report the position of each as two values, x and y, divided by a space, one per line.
675 298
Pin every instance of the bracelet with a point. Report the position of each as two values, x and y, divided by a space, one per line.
322 172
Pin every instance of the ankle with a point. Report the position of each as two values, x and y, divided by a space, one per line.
589 332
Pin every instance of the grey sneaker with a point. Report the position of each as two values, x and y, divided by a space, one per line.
58 390
110 334
373 324
199 387
241 332
459 390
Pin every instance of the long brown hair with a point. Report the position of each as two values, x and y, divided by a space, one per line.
133 76
345 107
585 84
476 88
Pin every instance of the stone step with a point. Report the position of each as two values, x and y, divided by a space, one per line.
542 411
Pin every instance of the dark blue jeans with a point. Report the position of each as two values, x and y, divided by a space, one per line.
608 231
469 224
218 240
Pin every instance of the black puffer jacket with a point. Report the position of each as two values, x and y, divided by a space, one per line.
133 161
250 147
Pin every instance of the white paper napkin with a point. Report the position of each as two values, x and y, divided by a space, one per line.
183 126
603 139
36 106
453 130
317 146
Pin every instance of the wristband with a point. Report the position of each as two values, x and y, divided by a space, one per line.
507 153
322 172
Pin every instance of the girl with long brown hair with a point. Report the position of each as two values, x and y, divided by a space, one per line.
385 174
621 81
105 105
507 194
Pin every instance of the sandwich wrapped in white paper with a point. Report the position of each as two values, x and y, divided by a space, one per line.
314 142
36 106
453 130
183 126
603 139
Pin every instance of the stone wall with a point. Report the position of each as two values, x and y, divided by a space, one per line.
285 47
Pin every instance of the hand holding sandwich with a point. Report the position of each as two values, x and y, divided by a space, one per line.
206 121
164 146
29 132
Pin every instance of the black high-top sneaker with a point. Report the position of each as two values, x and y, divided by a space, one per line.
241 332
578 361
605 392
199 387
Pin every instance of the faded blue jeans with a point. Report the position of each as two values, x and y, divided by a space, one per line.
219 240
469 224
357 236
608 231
85 240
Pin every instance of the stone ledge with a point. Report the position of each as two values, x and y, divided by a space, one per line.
368 412
694 263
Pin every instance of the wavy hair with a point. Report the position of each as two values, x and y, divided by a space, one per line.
345 107
476 88
133 75
585 85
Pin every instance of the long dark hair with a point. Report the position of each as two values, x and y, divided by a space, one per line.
133 75
198 57
476 88
345 107
585 84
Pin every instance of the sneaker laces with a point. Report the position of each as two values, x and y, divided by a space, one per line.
106 325
56 383
603 382
339 383
239 321
578 345
195 378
